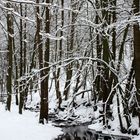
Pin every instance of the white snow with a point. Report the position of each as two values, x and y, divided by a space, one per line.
14 126
115 129
26 127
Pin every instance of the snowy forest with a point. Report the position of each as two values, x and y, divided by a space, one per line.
78 60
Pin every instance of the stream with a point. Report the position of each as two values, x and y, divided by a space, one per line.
84 133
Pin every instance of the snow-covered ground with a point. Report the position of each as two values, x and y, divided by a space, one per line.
99 127
24 127
14 126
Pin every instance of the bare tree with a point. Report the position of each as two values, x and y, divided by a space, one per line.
44 105
137 57
10 32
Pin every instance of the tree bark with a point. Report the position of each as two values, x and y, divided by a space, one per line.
70 50
137 56
21 92
9 57
44 108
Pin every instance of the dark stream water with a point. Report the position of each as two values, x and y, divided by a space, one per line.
83 133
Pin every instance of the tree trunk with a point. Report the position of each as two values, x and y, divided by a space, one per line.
137 56
69 50
9 57
58 57
44 108
21 92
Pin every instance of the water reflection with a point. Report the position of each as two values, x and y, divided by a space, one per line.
83 133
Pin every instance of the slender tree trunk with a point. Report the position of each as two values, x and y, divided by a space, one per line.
16 76
112 77
70 51
99 51
44 108
21 92
25 56
128 91
9 57
38 44
106 56
57 74
137 55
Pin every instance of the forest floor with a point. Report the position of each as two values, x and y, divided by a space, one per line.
14 126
